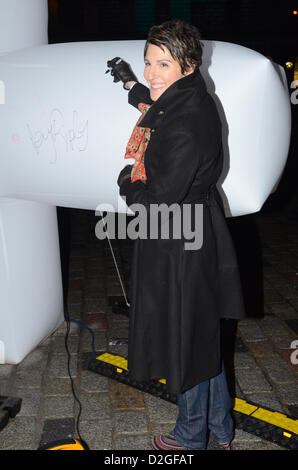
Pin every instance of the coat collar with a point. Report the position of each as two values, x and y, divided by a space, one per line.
180 93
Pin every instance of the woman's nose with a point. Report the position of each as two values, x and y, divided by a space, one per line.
152 72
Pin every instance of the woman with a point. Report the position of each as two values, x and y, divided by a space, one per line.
179 295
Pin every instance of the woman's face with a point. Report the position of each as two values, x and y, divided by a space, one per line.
161 70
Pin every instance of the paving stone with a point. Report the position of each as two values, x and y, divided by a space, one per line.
288 292
160 428
118 330
262 349
58 406
99 305
269 271
58 366
294 303
113 280
114 291
284 310
58 344
4 387
278 370
273 327
117 319
267 400
92 382
97 322
255 446
161 411
251 332
74 329
6 370
283 342
95 270
74 311
131 422
95 405
57 429
74 297
36 359
124 397
95 292
291 356
271 446
76 264
75 284
28 378
57 386
98 261
243 361
252 381
97 434
243 436
271 295
293 275
76 273
288 393
100 341
30 401
19 434
132 443
118 349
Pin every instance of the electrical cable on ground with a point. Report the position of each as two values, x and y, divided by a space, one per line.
68 320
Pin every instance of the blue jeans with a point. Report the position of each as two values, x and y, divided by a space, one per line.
205 406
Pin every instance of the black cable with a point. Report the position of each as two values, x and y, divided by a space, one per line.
68 320
83 442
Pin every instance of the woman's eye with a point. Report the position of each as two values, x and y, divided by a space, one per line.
164 64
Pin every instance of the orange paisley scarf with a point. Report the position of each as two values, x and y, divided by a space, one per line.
137 145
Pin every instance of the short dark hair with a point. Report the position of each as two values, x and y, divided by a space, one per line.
181 39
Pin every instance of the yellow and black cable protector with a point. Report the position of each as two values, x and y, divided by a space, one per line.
267 424
270 425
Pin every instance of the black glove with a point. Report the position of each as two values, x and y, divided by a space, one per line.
121 71
124 174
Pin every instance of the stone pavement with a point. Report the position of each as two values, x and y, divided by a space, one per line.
115 416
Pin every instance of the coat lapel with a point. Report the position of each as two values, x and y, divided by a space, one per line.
180 93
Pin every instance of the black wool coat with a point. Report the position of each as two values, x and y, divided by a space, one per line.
178 295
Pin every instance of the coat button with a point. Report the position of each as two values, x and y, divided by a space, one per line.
161 113
152 130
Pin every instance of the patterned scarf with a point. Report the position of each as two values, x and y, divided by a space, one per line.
137 145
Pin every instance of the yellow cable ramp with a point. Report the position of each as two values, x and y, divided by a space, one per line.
289 425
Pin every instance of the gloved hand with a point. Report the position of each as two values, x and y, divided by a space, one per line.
121 71
124 174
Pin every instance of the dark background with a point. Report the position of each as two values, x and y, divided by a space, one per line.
268 27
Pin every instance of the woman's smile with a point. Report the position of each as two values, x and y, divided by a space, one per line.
157 87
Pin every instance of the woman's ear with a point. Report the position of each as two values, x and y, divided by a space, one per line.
189 70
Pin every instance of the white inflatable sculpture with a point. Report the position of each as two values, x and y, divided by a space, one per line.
64 126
